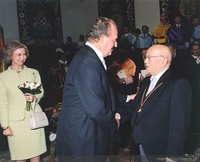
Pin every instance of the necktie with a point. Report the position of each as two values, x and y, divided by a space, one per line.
152 85
178 27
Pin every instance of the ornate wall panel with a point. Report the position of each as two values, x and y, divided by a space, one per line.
187 8
40 22
121 11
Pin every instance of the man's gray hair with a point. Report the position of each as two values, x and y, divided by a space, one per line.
100 27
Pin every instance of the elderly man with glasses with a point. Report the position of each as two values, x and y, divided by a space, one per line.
160 112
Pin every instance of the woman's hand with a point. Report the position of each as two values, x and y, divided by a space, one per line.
129 79
121 80
8 132
29 97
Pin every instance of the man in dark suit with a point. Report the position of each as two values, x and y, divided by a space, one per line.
87 118
160 113
192 65
178 60
179 33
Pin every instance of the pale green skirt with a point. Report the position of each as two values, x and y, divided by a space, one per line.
26 143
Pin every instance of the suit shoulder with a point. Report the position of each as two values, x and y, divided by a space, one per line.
178 79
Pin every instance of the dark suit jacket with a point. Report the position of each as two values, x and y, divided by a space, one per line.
193 76
87 117
178 64
162 125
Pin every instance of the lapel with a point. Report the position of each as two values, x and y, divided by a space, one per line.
91 52
151 97
109 93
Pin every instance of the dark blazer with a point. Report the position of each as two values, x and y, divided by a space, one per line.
162 125
193 76
87 116
178 64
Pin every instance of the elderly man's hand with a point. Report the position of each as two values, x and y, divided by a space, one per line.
117 118
131 97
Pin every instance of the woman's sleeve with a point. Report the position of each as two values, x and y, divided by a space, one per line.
3 105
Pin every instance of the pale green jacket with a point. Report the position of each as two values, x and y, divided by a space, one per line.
12 100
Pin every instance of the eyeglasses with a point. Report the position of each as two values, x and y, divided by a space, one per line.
149 57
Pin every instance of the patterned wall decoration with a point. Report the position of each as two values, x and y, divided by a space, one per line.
186 8
164 7
40 22
121 11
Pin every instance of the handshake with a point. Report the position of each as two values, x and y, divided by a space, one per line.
117 115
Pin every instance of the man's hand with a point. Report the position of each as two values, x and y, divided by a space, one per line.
117 118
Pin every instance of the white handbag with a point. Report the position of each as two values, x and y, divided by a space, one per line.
38 120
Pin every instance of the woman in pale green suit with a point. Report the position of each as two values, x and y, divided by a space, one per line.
23 142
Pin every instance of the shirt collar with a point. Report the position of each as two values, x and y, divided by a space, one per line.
195 56
158 75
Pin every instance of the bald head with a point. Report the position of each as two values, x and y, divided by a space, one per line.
162 50
158 58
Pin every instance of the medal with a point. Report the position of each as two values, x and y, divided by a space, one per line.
139 110
143 99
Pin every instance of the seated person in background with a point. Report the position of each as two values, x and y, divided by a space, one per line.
136 32
70 49
143 53
133 50
124 41
195 37
159 33
122 72
179 33
143 71
81 41
59 69
131 41
144 39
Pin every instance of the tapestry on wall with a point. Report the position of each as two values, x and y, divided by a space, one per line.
121 11
186 8
40 22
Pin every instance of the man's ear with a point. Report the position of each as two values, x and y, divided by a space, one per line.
104 38
165 62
